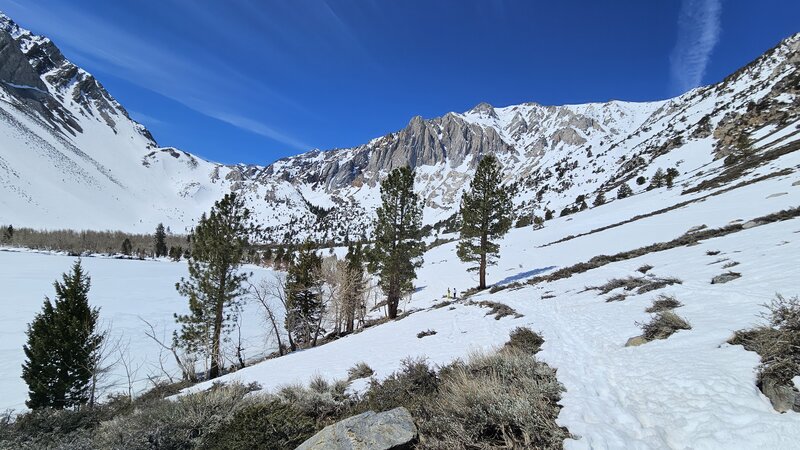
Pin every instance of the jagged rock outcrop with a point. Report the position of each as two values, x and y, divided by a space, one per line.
120 179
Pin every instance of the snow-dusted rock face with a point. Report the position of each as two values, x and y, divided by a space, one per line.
71 157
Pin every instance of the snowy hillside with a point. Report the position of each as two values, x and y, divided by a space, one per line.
67 146
692 390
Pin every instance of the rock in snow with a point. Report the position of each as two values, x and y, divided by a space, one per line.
390 430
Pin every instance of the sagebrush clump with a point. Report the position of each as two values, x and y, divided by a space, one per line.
524 339
778 343
664 303
360 370
502 400
664 325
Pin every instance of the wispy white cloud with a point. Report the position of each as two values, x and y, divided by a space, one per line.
202 82
698 33
146 119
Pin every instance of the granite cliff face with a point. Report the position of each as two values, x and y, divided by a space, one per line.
67 145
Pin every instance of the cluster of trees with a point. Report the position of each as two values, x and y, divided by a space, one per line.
85 242
321 296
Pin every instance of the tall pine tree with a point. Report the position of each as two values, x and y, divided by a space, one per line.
398 247
160 241
304 306
215 284
63 348
486 215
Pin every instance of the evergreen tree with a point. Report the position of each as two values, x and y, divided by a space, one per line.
304 307
62 351
127 247
658 180
160 241
215 283
624 191
600 199
486 212
398 248
8 234
548 214
355 285
670 176
640 180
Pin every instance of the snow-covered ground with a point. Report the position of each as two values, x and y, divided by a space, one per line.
692 390
126 291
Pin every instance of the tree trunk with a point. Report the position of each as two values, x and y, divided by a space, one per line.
392 302
482 284
215 344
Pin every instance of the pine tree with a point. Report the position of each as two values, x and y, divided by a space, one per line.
670 176
600 199
624 191
398 248
126 247
486 212
160 241
304 307
62 351
658 180
215 283
8 234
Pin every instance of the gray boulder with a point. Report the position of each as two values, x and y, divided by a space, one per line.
783 398
390 430
636 341
725 277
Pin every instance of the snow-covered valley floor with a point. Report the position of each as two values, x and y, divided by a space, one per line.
692 390
126 291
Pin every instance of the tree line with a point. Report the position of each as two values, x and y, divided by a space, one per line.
317 298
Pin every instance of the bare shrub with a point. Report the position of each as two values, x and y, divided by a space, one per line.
497 309
663 325
425 333
730 264
524 339
644 268
640 284
664 303
360 370
502 400
616 298
778 343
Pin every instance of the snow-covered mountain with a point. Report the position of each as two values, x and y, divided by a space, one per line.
71 157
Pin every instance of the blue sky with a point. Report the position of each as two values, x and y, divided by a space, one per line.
253 81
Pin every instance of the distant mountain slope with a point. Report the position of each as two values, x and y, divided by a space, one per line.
71 157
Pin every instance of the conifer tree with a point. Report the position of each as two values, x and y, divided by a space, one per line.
600 199
62 351
160 241
670 176
304 307
624 191
658 180
127 248
215 284
8 234
486 211
398 248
